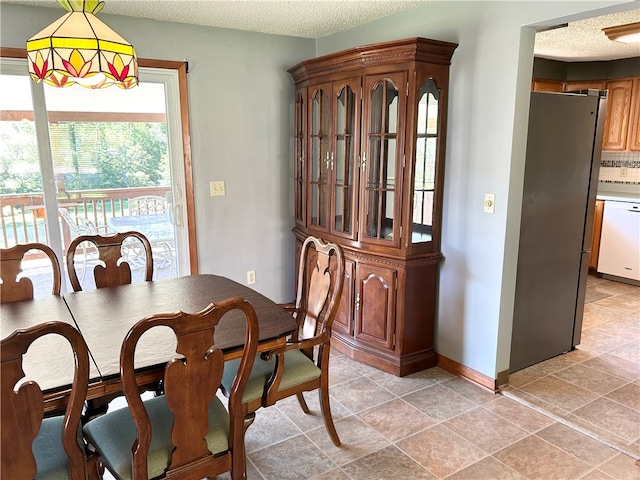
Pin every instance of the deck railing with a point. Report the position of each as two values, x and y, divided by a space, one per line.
23 221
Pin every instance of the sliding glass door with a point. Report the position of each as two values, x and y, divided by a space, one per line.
108 160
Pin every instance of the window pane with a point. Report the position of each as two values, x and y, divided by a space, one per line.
21 196
110 151
425 165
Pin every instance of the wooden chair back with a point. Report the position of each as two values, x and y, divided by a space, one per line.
191 380
319 286
320 282
13 289
116 256
22 406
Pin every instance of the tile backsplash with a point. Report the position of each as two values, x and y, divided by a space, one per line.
621 168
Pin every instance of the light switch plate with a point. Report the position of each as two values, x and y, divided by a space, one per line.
216 188
489 202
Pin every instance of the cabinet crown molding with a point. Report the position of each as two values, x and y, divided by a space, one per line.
397 51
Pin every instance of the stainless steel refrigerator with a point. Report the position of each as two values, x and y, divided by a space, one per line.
560 183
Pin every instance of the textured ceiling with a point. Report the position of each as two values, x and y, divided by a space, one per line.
297 18
579 41
584 40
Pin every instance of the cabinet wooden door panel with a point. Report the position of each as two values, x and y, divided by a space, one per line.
375 305
597 230
633 138
618 107
343 322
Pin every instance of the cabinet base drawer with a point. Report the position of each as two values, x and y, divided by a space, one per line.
398 365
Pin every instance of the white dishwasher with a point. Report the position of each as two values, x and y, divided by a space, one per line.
620 240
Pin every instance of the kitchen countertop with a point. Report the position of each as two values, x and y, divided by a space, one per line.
619 193
619 197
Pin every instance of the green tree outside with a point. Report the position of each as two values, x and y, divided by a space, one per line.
90 155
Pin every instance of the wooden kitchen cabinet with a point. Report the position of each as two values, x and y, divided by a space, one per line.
597 230
622 124
623 107
633 137
543 85
575 85
370 132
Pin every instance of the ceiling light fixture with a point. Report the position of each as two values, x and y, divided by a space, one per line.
79 48
629 33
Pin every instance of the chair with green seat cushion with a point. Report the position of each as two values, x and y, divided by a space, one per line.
187 433
33 447
302 364
117 255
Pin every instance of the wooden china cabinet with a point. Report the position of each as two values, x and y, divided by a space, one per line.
370 125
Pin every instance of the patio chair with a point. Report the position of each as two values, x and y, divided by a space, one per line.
148 205
14 289
163 248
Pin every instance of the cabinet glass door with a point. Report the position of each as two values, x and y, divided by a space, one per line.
319 158
343 161
425 164
299 155
382 159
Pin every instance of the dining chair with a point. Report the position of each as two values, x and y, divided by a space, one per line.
33 446
302 364
117 253
12 288
186 433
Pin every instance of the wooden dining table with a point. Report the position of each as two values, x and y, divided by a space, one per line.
104 316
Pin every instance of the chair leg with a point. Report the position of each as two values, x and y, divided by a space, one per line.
302 402
326 414
248 420
239 460
95 468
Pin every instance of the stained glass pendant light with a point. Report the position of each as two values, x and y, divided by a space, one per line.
80 49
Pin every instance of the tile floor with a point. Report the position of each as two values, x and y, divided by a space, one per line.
434 425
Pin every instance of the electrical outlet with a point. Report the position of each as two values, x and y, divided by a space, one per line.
489 202
623 171
251 277
217 188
